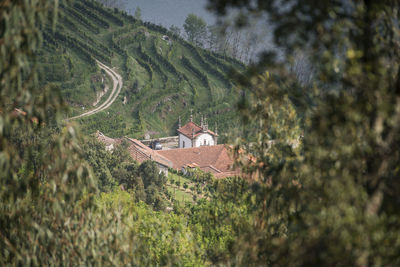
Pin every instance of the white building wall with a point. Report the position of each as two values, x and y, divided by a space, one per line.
207 137
182 138
162 169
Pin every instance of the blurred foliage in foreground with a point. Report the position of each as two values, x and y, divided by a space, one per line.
333 200
50 209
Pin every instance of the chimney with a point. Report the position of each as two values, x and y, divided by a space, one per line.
179 122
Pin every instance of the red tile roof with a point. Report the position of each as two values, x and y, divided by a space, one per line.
107 140
136 149
141 152
189 128
214 159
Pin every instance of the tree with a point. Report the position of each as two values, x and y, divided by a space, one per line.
196 29
138 13
239 43
120 4
99 159
212 37
175 30
150 174
154 183
330 200
36 195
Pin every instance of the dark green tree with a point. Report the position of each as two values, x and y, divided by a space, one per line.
330 199
35 195
100 160
150 174
154 184
196 29
138 13
175 29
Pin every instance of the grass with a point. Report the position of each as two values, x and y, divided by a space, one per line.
180 195
177 177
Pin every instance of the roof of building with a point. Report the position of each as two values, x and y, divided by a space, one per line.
141 153
191 128
214 159
107 140
136 149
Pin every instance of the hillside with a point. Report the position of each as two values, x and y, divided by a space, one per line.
162 79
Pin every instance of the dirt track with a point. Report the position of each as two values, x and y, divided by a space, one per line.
117 86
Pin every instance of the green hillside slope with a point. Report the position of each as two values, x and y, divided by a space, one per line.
163 79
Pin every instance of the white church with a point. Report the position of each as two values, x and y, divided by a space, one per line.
193 135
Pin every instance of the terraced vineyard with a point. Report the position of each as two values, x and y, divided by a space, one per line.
163 79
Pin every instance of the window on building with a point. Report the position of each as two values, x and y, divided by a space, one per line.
205 142
183 144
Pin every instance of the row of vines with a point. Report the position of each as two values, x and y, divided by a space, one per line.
200 75
104 12
81 19
84 10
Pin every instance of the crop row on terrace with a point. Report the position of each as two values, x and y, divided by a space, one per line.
199 74
146 67
72 27
205 65
154 65
81 19
115 46
93 16
104 12
163 62
85 50
232 60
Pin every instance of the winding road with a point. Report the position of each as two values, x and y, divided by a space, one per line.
117 86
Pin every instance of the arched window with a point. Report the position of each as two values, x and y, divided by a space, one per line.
205 142
183 144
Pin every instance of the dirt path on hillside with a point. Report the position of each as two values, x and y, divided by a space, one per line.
117 86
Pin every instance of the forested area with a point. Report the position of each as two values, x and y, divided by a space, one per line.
322 159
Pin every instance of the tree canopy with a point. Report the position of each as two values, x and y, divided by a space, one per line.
138 13
196 29
334 201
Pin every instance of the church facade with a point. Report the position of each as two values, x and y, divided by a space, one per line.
193 135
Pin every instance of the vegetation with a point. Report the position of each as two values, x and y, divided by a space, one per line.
158 86
330 199
196 29
321 162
